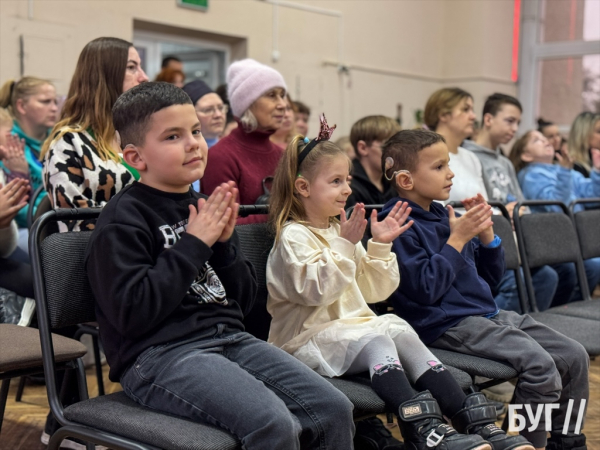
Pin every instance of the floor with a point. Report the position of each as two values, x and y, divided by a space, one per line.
24 421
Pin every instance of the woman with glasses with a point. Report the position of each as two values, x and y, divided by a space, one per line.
247 156
82 164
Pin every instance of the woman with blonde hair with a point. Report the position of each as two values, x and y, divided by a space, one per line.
584 136
32 104
82 164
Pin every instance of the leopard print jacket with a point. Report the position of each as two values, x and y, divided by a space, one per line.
76 177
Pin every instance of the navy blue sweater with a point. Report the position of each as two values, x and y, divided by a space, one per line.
439 286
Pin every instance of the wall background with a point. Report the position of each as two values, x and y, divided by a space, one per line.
396 51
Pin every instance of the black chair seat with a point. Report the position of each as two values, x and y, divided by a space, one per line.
584 331
475 366
118 414
587 309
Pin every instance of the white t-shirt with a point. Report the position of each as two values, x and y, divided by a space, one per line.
468 176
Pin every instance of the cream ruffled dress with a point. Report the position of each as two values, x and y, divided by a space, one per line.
319 286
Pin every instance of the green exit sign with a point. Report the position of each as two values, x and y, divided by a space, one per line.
194 4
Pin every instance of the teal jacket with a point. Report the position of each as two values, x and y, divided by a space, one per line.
32 152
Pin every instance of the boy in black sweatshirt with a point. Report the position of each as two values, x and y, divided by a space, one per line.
172 287
447 264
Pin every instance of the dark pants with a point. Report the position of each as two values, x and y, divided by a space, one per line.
256 391
552 367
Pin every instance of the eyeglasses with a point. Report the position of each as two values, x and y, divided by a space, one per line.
213 110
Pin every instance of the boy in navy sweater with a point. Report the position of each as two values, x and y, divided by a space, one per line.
447 263
172 288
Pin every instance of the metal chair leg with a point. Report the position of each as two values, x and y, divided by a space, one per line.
3 397
20 389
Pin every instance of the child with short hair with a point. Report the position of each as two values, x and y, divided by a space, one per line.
172 287
447 263
320 279
368 183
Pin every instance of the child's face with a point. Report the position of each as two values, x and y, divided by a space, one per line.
505 124
462 118
329 189
5 129
538 149
432 178
174 152
302 124
371 154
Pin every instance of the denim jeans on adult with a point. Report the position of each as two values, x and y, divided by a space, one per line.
252 389
544 281
568 288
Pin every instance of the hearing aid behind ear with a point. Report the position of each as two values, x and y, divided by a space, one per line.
389 163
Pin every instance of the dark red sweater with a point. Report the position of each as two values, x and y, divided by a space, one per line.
247 159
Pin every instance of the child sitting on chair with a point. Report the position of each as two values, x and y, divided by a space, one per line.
172 288
448 263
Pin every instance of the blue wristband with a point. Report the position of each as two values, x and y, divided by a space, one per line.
495 243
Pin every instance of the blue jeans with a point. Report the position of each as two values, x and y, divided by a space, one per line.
544 281
568 289
254 390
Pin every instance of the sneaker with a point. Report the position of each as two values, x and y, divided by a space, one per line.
15 309
371 434
70 443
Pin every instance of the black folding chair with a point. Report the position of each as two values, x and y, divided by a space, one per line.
546 239
63 297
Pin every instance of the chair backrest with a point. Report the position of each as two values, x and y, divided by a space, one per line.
256 241
548 238
503 229
68 293
587 224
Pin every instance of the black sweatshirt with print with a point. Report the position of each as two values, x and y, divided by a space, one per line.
154 283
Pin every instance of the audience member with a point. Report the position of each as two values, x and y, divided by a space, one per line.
12 150
302 118
551 132
320 278
247 156
540 179
230 122
82 165
32 104
447 265
583 137
367 135
172 288
173 76
172 62
449 112
284 134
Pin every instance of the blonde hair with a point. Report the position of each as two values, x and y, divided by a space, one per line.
579 137
517 151
5 117
284 204
95 87
442 102
12 91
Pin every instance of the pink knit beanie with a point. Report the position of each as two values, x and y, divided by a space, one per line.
247 80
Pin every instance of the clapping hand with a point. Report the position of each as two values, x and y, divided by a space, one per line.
209 222
13 197
13 154
393 225
353 229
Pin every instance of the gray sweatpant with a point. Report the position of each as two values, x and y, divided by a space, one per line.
552 367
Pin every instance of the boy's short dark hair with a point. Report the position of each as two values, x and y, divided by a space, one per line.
302 108
495 101
167 59
404 147
134 108
372 128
